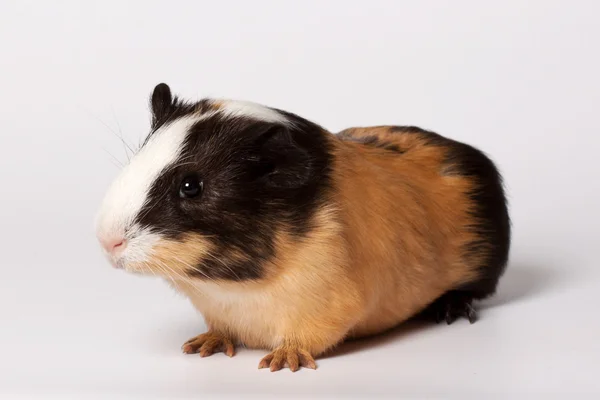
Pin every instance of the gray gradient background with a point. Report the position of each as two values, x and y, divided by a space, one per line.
518 79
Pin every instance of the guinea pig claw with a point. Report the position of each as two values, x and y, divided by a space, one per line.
471 314
450 315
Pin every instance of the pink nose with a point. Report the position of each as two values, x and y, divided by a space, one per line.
113 245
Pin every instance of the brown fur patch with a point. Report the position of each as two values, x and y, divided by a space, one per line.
406 225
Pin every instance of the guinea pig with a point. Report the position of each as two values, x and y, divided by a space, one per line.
289 238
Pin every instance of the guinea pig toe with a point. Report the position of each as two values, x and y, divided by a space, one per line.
470 312
294 358
209 343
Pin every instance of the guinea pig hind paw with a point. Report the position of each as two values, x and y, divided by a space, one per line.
208 343
294 358
454 305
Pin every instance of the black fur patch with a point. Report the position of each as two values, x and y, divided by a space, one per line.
259 177
493 226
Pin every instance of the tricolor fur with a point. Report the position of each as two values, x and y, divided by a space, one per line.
302 238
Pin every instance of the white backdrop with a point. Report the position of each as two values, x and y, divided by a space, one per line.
517 79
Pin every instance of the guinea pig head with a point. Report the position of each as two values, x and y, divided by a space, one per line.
211 188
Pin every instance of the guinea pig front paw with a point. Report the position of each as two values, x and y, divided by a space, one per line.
293 357
208 343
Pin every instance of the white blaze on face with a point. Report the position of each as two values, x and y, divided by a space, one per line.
129 192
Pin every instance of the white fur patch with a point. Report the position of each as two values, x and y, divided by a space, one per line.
239 108
140 245
129 192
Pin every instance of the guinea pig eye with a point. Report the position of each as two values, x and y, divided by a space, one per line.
191 186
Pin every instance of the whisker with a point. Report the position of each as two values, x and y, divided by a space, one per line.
114 159
177 274
191 267
111 130
212 256
181 277
120 135
149 268
165 273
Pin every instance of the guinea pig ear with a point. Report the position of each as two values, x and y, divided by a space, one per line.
161 102
283 162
